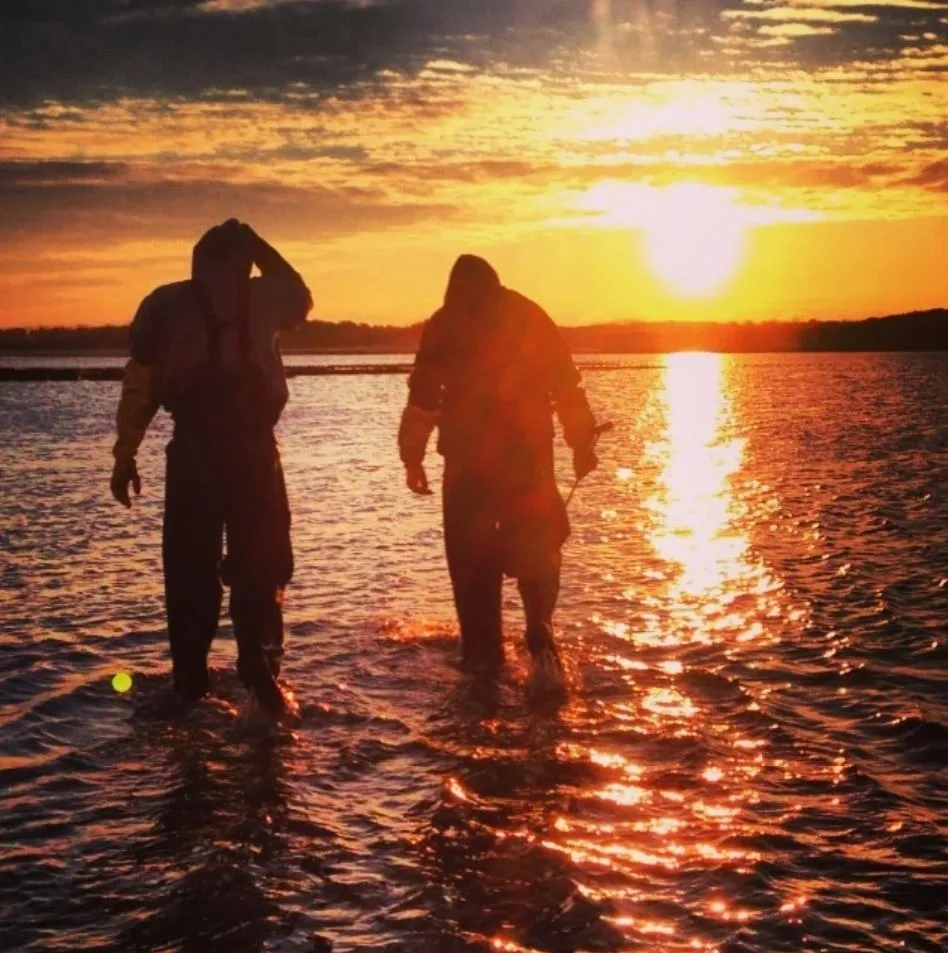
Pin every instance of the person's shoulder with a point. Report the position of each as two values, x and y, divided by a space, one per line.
436 320
173 289
158 319
435 327
526 309
166 298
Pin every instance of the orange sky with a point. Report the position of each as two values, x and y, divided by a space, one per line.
747 177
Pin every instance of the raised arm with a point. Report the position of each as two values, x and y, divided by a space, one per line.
287 299
138 402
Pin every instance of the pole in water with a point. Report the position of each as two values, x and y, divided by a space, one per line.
597 433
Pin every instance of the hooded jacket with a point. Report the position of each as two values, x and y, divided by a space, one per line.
493 367
169 342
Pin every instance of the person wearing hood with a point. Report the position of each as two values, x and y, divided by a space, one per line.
490 371
205 350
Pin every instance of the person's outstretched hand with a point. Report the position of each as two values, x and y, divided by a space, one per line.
584 462
417 480
124 473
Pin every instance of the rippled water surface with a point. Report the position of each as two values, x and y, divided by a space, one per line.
753 758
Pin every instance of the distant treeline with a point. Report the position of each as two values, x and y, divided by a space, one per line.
916 331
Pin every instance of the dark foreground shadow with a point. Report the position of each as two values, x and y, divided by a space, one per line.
219 821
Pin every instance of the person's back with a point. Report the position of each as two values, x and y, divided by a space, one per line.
499 377
494 365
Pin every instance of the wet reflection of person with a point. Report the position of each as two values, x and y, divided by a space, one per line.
217 827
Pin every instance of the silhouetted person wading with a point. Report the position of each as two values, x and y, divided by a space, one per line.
206 351
490 370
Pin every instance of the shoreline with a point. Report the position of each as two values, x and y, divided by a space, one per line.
912 331
51 372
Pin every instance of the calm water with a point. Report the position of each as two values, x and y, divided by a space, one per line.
754 757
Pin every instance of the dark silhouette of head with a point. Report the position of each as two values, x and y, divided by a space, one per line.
222 251
472 285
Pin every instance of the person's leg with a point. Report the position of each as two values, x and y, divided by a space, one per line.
539 587
258 628
191 552
539 592
534 527
471 547
259 565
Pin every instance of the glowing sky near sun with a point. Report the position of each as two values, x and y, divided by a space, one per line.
722 159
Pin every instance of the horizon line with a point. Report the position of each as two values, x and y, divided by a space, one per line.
790 322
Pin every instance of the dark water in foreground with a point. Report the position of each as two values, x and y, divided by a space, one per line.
755 757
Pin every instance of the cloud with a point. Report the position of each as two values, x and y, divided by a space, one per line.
341 119
28 173
70 203
236 6
874 4
799 13
864 31
102 203
94 51
794 30
933 176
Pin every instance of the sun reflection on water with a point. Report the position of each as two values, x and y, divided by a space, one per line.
696 527
693 505
677 783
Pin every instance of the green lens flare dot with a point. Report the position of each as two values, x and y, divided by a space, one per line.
122 682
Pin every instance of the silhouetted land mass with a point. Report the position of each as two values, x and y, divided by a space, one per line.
915 331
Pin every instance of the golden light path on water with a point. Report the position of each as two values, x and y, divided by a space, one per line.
699 521
661 815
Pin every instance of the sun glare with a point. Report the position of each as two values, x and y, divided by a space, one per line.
696 241
694 234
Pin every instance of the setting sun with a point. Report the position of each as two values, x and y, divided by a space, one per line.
694 234
696 242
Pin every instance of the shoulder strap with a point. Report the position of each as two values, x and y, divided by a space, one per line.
243 322
211 327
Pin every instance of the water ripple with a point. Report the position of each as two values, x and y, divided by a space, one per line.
753 757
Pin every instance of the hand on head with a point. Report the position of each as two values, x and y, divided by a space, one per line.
245 239
224 251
